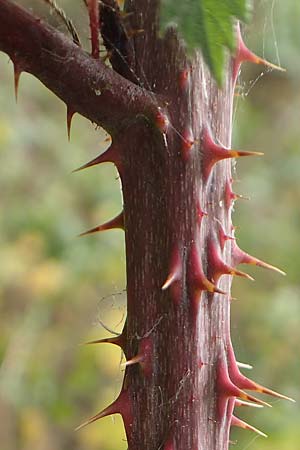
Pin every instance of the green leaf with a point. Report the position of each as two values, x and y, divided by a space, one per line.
208 25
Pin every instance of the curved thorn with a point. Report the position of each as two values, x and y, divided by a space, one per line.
115 223
106 412
70 114
120 406
110 155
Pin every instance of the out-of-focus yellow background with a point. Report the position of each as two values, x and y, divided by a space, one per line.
57 291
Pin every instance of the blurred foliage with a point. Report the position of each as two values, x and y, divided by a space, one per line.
56 289
207 24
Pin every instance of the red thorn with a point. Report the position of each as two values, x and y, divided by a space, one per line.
184 78
120 406
70 114
116 222
198 280
226 388
162 121
144 356
223 237
93 8
17 74
243 54
236 422
241 257
175 269
212 153
187 143
217 267
243 382
110 155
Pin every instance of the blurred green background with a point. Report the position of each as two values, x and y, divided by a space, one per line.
56 290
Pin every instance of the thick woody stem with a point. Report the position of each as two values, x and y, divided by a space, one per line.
171 146
86 85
